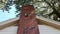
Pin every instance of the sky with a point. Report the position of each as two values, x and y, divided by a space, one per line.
6 16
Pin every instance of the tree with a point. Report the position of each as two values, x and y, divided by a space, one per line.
54 6
46 8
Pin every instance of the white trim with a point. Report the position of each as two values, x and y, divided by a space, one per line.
9 21
48 20
38 17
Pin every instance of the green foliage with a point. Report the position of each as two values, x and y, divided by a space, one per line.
45 8
53 5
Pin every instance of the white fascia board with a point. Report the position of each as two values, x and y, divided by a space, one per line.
38 17
48 20
9 21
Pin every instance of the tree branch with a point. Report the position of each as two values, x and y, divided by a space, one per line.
47 3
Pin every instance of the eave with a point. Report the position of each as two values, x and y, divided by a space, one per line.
40 19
